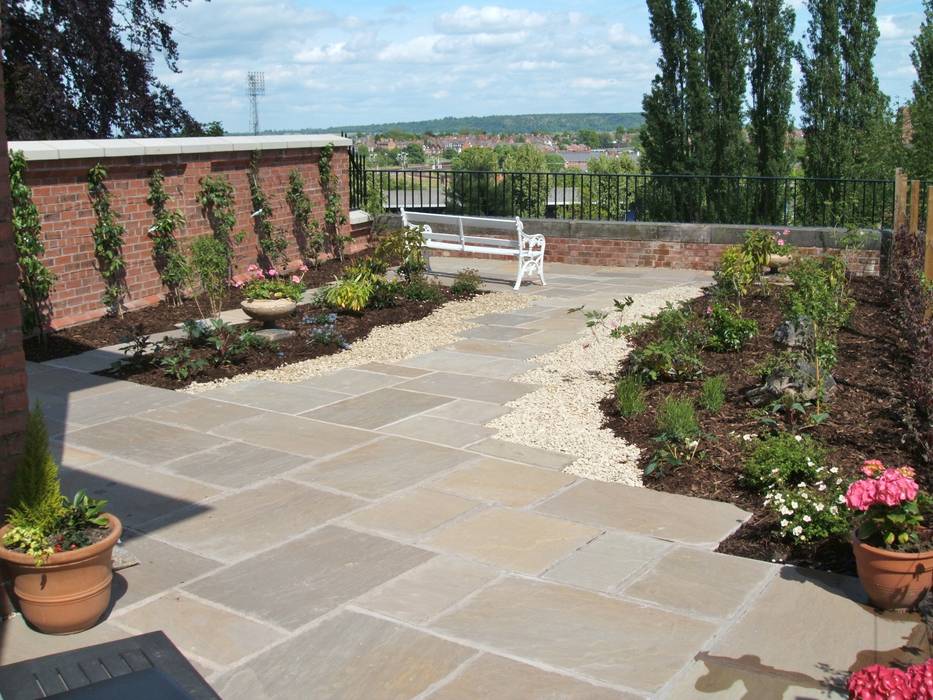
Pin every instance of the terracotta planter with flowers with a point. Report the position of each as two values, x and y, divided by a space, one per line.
271 297
892 549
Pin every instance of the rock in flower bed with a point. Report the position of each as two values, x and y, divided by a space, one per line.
800 442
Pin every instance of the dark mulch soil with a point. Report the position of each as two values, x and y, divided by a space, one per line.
865 421
154 319
295 349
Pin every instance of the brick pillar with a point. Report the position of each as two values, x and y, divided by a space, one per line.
13 401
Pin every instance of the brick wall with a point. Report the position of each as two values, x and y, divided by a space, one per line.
61 195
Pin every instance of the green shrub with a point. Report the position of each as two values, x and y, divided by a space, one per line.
676 420
736 271
349 294
35 494
672 322
385 294
713 393
728 331
630 396
422 289
404 247
466 283
666 360
211 265
783 460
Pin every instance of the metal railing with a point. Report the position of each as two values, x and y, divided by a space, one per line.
724 199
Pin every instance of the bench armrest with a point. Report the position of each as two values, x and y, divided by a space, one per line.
532 243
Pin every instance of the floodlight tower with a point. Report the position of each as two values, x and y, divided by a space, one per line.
255 88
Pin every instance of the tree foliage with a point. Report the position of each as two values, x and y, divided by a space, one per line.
76 69
921 108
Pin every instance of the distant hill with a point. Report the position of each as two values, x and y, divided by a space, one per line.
501 124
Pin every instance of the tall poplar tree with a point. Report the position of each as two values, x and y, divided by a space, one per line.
921 107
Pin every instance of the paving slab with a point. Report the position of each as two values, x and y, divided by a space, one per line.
505 318
510 484
300 436
143 441
216 635
200 414
351 656
235 464
554 337
136 494
21 642
603 638
491 676
247 522
515 540
448 361
395 370
605 562
723 678
499 348
90 361
421 594
464 386
71 385
476 412
412 513
647 512
440 430
382 467
299 581
125 401
495 332
273 396
378 408
351 381
71 456
700 582
534 456
850 635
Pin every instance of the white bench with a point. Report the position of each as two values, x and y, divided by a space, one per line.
528 249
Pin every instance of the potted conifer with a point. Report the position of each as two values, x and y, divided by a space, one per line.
57 552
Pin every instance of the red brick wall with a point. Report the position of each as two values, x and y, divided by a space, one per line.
61 195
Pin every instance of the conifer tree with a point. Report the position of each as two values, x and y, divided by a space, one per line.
921 107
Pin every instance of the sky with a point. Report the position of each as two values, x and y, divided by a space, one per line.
334 63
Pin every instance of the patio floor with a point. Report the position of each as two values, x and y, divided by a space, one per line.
362 535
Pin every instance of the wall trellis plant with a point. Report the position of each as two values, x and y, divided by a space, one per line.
36 281
308 232
216 198
169 260
273 245
108 242
334 217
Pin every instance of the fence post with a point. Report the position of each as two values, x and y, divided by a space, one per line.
914 207
900 200
928 258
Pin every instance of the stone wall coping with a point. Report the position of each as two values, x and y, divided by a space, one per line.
358 216
117 148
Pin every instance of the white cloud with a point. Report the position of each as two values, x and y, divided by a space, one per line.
620 36
594 83
534 65
897 28
467 19
328 53
420 49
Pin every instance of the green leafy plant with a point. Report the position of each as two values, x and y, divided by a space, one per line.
403 246
385 294
666 360
108 242
466 282
138 349
334 217
36 280
349 294
783 460
308 231
678 434
181 365
736 272
811 511
170 262
713 393
630 396
727 330
228 344
211 264
273 246
216 199
321 329
420 288
269 284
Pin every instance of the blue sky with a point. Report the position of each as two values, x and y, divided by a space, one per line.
329 63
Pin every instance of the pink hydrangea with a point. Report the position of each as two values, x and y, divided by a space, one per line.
885 486
872 467
780 241
879 682
272 272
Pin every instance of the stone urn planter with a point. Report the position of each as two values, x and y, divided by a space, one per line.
892 579
71 590
778 263
268 310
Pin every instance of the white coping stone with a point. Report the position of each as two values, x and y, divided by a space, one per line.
114 148
358 216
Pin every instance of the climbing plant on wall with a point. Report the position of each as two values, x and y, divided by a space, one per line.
307 230
273 246
334 217
108 242
36 281
216 198
171 263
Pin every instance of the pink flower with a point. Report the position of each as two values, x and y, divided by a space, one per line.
272 272
296 279
891 487
258 274
780 241
879 682
252 268
786 232
237 284
872 467
302 268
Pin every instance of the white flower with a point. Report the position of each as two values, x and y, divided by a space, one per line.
748 436
807 519
798 439
793 504
802 485
809 462
784 523
822 486
786 511
840 498
693 443
834 510
819 507
775 471
834 470
797 531
838 481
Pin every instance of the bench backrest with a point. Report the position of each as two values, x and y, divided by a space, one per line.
465 222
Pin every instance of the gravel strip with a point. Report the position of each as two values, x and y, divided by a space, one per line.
390 343
564 414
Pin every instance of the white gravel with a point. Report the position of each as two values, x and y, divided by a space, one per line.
390 343
564 415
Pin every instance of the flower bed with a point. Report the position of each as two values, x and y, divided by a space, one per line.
787 460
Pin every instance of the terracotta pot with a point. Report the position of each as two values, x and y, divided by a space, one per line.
268 310
893 579
71 590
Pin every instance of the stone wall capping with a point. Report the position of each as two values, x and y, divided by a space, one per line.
116 148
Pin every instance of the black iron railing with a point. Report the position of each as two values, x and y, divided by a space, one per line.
357 180
739 199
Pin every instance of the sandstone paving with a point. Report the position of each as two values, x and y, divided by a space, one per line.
272 396
235 464
377 408
440 430
510 484
200 414
522 453
464 386
293 434
467 411
413 513
351 381
396 370
305 578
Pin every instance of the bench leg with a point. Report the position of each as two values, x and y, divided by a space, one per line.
521 273
541 274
